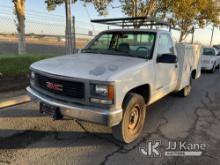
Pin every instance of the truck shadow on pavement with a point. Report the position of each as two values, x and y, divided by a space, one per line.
47 139
17 114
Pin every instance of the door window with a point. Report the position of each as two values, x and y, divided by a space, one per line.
165 45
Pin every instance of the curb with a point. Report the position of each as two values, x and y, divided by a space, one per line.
14 101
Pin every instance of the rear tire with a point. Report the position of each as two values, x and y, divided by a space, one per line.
213 69
185 92
133 119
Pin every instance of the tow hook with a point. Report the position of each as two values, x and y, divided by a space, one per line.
53 111
57 115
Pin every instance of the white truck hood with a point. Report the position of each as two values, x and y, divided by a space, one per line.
88 66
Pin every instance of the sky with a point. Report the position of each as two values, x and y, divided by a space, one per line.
39 20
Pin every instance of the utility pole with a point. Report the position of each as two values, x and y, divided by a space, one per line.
74 35
69 36
213 29
193 33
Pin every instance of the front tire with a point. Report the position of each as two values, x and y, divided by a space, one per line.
133 119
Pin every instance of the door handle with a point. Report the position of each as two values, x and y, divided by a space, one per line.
176 66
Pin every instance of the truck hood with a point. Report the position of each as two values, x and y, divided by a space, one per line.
88 66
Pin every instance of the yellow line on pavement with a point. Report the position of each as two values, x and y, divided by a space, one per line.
14 101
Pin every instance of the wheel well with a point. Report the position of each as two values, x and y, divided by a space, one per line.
143 90
193 74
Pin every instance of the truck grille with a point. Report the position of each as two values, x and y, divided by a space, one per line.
61 87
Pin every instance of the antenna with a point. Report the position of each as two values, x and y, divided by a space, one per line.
88 14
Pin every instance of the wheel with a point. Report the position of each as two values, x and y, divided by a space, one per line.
213 69
133 119
186 90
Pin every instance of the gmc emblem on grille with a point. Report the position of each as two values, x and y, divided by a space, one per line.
54 86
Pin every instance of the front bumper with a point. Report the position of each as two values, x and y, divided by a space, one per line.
207 66
91 114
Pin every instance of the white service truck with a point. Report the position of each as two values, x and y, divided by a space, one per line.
210 59
113 80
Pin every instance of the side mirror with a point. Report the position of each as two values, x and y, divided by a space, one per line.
167 58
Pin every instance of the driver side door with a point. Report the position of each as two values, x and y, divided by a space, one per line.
166 73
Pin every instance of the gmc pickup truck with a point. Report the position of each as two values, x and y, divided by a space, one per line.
113 80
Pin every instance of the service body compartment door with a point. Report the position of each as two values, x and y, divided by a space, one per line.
189 59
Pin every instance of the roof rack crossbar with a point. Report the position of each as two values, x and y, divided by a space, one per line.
135 21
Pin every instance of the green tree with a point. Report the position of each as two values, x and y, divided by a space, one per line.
188 14
100 5
184 14
19 6
140 8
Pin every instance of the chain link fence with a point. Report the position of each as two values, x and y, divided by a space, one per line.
45 32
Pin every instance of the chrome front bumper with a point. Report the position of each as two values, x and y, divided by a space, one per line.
91 114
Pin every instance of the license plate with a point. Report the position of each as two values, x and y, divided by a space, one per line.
51 110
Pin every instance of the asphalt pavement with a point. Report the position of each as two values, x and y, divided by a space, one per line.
27 137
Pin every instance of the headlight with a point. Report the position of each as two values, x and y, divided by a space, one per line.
32 75
101 90
32 78
103 94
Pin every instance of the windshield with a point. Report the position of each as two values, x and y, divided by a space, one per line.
132 44
208 52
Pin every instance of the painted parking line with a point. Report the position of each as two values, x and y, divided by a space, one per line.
14 101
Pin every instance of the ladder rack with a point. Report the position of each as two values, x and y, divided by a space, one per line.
135 22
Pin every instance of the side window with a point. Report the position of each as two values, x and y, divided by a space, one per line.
165 45
216 52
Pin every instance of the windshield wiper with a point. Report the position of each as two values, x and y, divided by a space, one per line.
120 52
97 51
128 54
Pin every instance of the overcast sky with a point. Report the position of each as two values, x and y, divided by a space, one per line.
39 20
